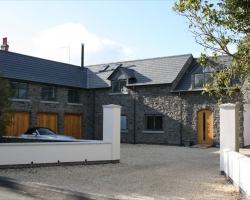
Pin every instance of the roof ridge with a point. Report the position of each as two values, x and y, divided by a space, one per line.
1 51
139 60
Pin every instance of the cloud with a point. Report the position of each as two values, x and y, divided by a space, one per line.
63 40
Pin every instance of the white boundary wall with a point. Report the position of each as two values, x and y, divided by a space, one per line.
80 151
229 129
237 168
233 164
246 114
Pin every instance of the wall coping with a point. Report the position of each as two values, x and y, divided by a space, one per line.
229 106
111 106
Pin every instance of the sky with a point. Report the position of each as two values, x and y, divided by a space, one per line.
112 31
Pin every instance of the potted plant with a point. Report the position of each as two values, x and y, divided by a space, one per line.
187 139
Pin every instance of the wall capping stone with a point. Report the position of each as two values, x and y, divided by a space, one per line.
118 93
53 102
21 100
154 132
75 104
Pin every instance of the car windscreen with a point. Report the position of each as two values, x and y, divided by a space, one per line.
44 131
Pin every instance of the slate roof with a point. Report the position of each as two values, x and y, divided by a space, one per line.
163 70
27 68
185 84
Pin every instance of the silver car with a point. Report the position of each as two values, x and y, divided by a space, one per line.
43 133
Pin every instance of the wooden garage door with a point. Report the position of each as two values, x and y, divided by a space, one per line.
21 123
48 120
73 125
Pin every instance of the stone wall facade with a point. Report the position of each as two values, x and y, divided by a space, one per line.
33 104
178 110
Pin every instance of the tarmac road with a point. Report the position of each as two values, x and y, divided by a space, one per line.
11 194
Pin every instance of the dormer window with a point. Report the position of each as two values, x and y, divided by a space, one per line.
104 68
202 78
120 78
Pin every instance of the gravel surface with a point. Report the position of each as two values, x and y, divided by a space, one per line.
144 172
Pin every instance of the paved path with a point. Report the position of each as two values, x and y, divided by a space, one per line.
145 172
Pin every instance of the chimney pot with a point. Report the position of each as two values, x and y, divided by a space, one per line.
5 46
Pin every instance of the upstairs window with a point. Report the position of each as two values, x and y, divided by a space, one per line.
20 89
116 66
154 122
119 85
48 93
73 96
104 68
201 79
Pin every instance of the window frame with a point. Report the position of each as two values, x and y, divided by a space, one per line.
74 100
203 78
119 90
122 117
154 122
47 95
17 90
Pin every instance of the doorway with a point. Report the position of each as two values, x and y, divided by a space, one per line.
205 127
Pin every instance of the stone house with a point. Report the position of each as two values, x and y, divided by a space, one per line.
160 97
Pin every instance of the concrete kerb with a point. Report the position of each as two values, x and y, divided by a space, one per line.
45 191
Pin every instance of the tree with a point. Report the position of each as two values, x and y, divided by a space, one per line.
219 26
6 94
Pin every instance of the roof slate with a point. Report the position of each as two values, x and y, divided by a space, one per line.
163 70
27 68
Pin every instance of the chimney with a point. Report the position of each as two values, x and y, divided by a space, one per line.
82 61
5 46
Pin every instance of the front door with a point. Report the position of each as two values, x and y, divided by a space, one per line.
205 127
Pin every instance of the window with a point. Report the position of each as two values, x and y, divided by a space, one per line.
104 68
119 85
123 122
202 79
20 89
153 122
73 96
48 93
116 66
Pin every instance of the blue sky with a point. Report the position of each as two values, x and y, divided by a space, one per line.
112 31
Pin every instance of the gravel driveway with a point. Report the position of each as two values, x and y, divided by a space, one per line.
144 172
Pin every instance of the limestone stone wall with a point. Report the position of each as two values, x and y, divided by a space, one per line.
179 111
34 105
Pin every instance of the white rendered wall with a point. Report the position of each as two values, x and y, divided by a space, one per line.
112 128
246 114
52 152
236 166
79 151
229 129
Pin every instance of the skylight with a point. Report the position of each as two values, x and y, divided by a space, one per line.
116 66
104 68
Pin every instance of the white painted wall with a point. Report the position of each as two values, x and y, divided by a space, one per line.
229 129
237 166
246 115
112 128
25 153
79 151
